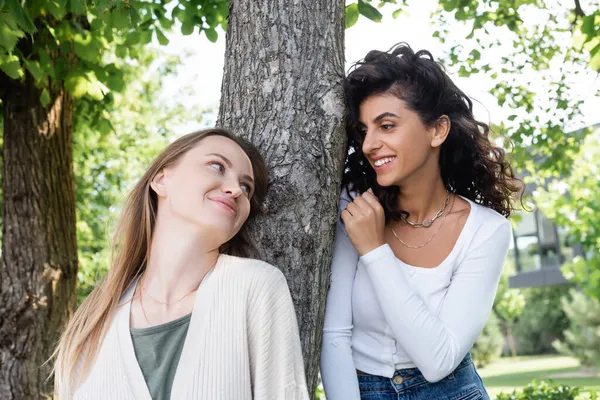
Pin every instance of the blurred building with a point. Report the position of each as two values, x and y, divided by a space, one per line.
539 249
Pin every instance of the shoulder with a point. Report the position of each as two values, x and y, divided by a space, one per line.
252 270
488 223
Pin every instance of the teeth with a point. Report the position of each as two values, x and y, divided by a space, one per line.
383 161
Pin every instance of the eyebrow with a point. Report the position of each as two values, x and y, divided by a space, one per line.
381 116
230 165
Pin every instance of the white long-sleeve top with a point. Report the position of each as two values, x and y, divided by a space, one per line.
383 314
242 343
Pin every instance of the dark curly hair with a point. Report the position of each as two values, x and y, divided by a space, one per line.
470 165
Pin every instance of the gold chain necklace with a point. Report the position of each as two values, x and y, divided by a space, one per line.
143 290
164 302
419 246
427 222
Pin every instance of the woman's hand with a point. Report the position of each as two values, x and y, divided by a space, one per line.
364 219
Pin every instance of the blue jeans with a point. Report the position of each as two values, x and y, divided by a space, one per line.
462 384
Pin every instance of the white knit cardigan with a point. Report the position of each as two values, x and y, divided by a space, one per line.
242 343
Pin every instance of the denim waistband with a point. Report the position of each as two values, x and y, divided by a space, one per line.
406 372
414 372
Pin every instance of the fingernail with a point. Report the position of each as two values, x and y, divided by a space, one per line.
370 190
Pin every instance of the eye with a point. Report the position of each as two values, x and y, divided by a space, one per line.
217 165
387 127
246 188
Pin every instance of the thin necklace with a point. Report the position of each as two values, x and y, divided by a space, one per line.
427 222
419 246
164 302
144 311
143 290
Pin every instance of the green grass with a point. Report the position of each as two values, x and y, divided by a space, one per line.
508 374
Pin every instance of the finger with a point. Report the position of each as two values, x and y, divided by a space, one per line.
366 209
361 203
374 203
370 198
346 216
354 209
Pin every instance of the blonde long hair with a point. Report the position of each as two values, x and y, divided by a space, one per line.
81 340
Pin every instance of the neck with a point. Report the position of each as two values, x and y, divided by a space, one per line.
178 261
423 196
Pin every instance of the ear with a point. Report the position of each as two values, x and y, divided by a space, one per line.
158 184
441 129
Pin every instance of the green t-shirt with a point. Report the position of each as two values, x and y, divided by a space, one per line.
158 350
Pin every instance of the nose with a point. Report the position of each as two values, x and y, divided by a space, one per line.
371 142
232 188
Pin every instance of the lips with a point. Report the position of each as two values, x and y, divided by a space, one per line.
382 162
226 204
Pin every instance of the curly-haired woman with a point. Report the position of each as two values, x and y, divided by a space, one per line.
422 238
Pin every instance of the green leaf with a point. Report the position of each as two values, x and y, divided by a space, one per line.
180 14
12 67
34 69
133 38
21 16
61 67
46 62
115 81
397 13
102 5
211 34
121 51
369 11
460 15
56 8
351 15
76 83
145 37
121 19
45 97
512 117
135 16
450 5
94 87
160 36
9 33
595 62
77 6
165 23
463 72
588 26
104 126
86 47
187 28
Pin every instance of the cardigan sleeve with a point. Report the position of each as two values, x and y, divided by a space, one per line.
337 365
276 364
437 342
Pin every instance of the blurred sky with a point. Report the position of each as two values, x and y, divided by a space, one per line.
202 63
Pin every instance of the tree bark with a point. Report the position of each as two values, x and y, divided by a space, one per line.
39 248
282 89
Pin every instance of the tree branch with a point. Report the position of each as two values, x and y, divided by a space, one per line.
578 10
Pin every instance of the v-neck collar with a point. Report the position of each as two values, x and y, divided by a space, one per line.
190 353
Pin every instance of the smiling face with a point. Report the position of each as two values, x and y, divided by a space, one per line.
396 143
209 188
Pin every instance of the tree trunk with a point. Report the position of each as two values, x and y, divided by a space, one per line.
511 340
39 249
282 89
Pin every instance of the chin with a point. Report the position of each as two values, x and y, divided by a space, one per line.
386 181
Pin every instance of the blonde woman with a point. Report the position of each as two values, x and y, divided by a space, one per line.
183 313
